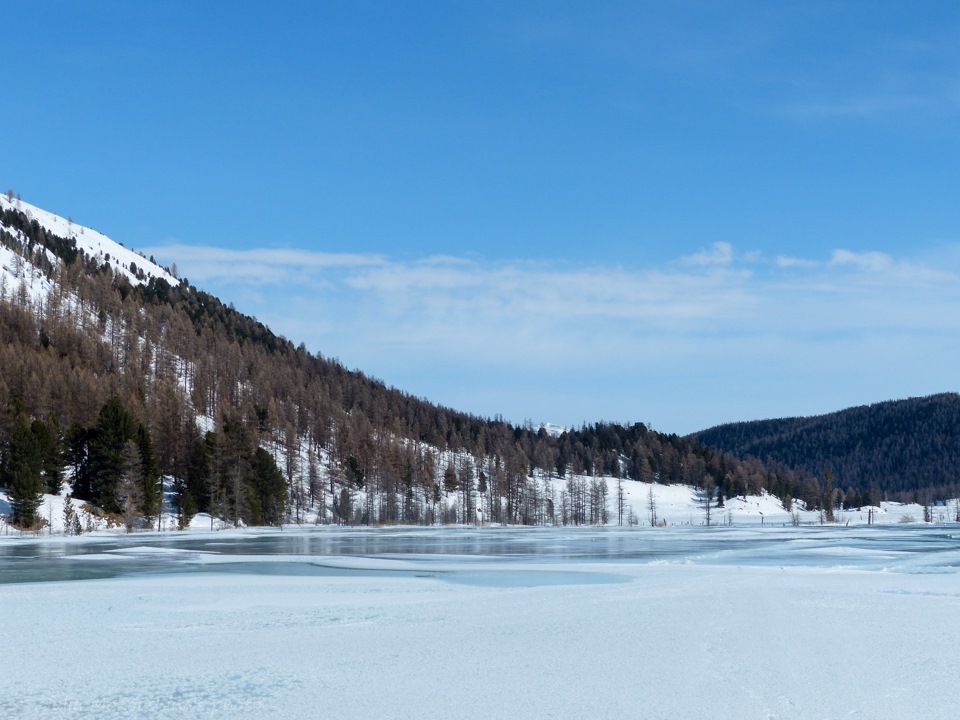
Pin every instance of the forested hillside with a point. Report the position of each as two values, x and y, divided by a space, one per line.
906 450
114 375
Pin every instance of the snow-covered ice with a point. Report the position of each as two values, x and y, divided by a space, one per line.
684 622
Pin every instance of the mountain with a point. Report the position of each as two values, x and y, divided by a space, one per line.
140 394
901 450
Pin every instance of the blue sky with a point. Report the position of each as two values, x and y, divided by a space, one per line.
683 213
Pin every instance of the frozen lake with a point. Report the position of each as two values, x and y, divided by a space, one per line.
688 622
327 550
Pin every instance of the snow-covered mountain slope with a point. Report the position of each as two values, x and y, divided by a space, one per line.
94 244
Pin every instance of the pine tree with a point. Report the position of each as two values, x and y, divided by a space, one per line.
50 447
150 488
828 493
114 429
78 457
197 481
268 489
130 487
186 504
343 506
232 469
450 482
21 467
71 521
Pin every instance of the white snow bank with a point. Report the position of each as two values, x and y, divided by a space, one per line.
674 505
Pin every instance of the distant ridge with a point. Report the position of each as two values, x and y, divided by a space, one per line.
904 449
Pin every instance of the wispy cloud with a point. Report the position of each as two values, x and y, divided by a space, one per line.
262 265
747 319
868 261
881 267
785 261
697 291
719 253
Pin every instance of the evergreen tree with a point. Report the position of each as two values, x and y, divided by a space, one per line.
197 480
186 505
130 486
150 489
50 447
232 458
450 481
343 506
78 457
21 467
114 429
828 494
71 521
267 490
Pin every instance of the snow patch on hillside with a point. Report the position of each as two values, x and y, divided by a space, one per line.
94 244
20 278
553 430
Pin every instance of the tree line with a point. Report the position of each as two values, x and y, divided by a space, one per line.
211 388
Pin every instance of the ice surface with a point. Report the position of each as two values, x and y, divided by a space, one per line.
458 623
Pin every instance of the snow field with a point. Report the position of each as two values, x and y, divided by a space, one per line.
669 641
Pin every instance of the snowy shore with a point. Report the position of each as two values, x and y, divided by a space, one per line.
674 505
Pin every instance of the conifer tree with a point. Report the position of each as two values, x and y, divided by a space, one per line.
21 466
232 458
828 493
78 457
150 489
343 506
450 481
71 521
50 448
268 489
114 429
130 486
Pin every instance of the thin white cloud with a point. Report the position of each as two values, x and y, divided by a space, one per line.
205 262
304 258
785 261
723 316
705 287
883 268
870 261
719 253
